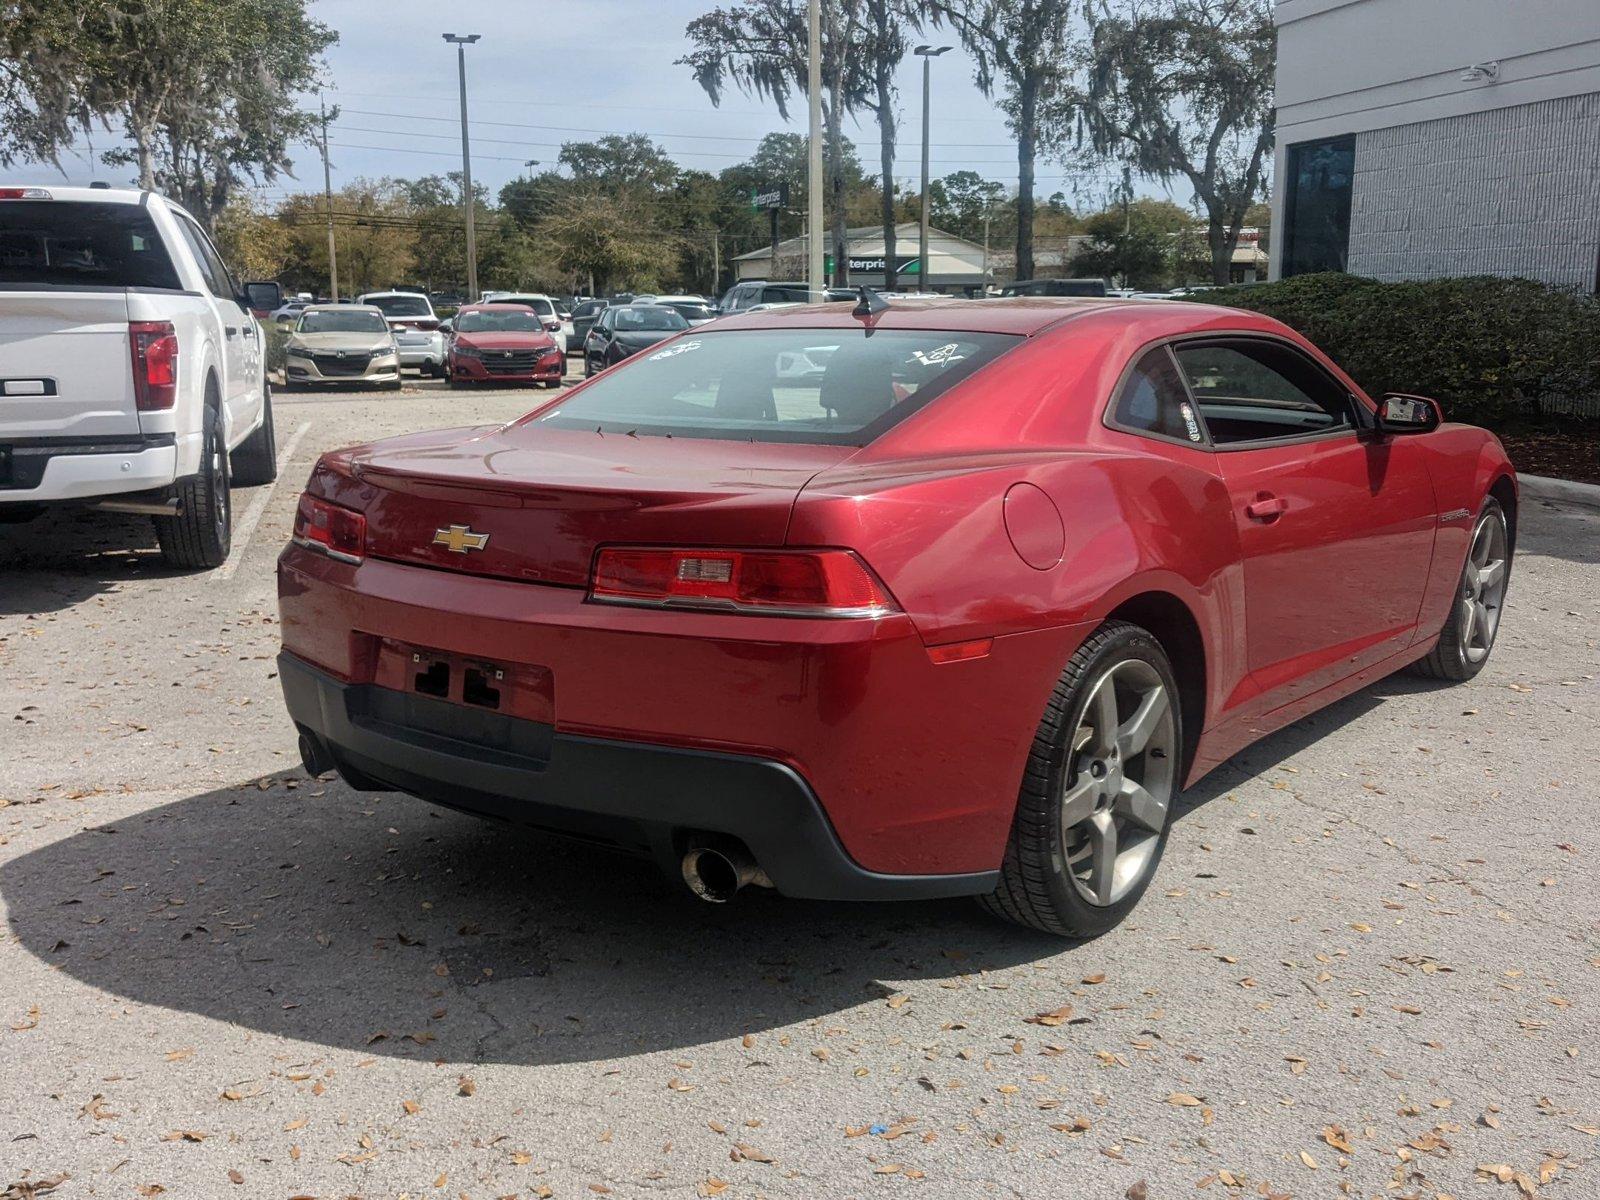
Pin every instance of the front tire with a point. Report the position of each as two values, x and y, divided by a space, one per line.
200 535
1097 795
255 462
1469 632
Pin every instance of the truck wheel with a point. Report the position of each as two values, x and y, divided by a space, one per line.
198 538
255 462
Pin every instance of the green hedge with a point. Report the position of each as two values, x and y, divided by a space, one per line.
277 338
1490 349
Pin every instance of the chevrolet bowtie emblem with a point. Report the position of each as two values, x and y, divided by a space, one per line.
459 539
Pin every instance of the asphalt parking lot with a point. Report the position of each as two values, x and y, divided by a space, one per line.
1368 965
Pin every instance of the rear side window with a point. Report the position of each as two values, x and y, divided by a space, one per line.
829 386
216 275
55 243
1153 400
1253 390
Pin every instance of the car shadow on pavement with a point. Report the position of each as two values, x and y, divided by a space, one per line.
64 557
379 924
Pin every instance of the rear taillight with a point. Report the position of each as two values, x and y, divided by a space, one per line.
337 531
551 324
797 583
155 364
18 193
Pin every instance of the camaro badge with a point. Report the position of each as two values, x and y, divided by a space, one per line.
459 539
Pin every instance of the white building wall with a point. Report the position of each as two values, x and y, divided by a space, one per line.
1377 68
1513 191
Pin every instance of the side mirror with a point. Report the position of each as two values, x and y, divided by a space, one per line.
262 296
1409 414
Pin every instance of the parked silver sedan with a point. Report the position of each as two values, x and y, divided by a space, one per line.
342 343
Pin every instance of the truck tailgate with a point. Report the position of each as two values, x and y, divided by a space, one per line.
65 365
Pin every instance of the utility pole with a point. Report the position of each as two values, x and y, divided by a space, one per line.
461 42
716 262
327 194
927 54
814 157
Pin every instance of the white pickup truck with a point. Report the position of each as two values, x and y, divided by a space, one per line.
132 373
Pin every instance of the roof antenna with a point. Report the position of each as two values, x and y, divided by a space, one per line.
870 304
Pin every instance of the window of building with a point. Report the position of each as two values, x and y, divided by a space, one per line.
1252 390
1154 401
1321 176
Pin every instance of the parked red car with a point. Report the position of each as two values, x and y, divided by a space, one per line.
960 613
502 343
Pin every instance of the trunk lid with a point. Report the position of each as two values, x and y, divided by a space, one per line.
546 498
66 367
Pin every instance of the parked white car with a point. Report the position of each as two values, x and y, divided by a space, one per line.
132 373
545 306
416 328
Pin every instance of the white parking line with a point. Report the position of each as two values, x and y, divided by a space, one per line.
252 515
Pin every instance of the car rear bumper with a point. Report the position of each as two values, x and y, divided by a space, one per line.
634 797
421 356
915 765
40 470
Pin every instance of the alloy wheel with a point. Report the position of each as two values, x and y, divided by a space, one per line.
1483 587
1123 769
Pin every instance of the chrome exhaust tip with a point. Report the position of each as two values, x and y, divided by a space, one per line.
715 873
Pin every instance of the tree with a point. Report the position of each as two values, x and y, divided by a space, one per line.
203 90
255 244
618 164
40 110
886 22
958 203
612 240
1184 87
761 47
1132 242
1022 47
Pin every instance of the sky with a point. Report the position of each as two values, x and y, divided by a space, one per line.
549 71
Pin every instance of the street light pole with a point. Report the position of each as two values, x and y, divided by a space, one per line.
927 54
461 42
814 158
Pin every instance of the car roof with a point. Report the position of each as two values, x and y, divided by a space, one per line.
395 292
368 308
491 306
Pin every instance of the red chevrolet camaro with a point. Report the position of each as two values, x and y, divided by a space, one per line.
951 598
502 344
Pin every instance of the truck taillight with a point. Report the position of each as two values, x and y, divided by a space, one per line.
155 364
337 531
794 583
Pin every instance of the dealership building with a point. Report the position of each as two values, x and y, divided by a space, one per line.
956 264
1427 138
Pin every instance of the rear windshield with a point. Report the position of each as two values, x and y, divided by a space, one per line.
831 386
401 306
542 307
690 311
512 321
647 319
341 322
59 243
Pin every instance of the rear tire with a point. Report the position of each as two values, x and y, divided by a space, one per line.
1098 792
1474 621
255 462
199 537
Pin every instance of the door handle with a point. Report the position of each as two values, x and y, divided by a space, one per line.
1266 507
230 330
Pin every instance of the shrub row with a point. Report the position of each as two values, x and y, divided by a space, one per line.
1491 350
